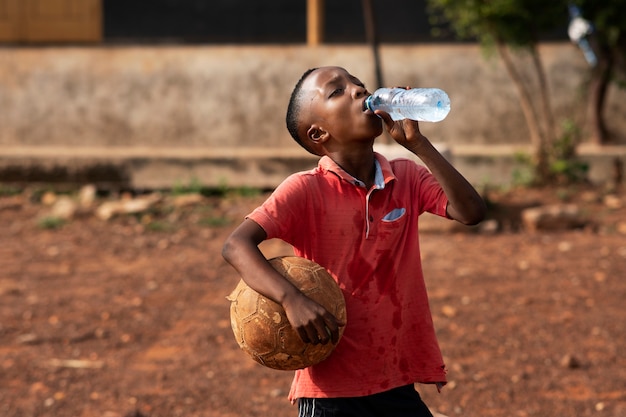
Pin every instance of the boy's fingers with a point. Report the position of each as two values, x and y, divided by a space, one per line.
323 335
334 335
384 115
332 328
303 335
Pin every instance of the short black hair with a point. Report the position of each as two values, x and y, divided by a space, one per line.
294 108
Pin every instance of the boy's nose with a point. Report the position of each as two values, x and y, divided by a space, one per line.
359 91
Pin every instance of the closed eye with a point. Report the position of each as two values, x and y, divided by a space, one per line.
336 92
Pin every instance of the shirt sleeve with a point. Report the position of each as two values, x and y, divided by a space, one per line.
281 214
431 197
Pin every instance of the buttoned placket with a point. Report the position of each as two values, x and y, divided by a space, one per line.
368 221
379 184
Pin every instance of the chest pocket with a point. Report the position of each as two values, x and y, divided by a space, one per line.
394 215
392 225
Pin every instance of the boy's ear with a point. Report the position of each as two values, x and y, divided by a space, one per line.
317 134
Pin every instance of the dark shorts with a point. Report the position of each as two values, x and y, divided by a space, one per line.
398 402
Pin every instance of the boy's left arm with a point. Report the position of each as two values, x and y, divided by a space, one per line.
464 203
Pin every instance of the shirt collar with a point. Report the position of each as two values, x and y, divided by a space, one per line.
383 175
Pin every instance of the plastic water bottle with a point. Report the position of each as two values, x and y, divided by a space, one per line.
421 104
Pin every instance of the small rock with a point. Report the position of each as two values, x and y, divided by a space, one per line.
553 217
187 200
599 276
489 226
612 201
87 195
63 208
565 246
448 311
39 387
126 206
27 339
48 198
276 392
570 362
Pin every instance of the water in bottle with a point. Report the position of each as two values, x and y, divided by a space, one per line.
421 104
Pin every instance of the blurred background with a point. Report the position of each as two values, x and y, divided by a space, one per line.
145 93
135 135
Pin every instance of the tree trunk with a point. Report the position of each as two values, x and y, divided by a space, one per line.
546 107
598 87
532 121
371 35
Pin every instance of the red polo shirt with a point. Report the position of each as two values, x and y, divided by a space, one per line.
368 240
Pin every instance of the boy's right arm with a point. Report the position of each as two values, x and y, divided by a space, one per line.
312 321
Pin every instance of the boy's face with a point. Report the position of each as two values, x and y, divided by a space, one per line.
333 108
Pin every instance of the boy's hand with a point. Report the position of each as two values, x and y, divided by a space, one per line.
406 132
313 323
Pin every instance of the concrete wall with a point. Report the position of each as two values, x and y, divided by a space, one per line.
209 102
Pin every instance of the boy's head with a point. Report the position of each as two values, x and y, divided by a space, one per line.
327 109
295 107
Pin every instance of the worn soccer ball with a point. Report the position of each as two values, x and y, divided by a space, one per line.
261 327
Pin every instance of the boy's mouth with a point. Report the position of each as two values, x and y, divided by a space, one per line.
364 105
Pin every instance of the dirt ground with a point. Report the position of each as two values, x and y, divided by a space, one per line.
128 317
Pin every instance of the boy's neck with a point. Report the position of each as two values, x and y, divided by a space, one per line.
358 164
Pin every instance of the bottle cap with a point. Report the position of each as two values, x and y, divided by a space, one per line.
367 104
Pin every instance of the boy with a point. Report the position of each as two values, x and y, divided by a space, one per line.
356 214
